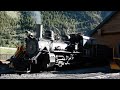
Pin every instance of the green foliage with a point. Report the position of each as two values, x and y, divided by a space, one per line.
7 28
65 22
26 21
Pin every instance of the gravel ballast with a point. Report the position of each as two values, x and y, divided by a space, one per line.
88 73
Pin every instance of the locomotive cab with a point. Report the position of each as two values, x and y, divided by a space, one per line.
75 42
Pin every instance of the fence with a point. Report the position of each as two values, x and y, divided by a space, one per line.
5 56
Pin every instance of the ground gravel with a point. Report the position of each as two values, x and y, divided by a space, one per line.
87 73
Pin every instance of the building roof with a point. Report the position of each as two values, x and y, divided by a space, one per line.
102 23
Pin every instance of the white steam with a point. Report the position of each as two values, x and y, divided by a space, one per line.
36 15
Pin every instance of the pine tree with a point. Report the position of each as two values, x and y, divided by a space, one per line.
26 22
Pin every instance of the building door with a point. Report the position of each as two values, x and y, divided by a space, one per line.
118 50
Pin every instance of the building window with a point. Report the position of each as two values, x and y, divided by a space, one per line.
99 32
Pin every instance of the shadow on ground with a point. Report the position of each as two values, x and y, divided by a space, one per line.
68 70
84 70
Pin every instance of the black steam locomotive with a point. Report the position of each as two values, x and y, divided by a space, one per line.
40 54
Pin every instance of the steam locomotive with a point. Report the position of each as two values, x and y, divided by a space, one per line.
42 53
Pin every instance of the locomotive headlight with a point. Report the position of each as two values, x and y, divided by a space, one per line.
32 47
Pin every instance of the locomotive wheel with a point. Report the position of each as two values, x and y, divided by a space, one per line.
42 61
42 66
34 68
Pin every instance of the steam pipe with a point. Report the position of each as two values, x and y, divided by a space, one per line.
36 15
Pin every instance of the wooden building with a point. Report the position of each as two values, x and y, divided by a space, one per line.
108 32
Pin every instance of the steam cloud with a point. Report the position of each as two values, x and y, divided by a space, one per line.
36 15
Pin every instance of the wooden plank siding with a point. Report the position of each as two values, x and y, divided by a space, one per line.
110 33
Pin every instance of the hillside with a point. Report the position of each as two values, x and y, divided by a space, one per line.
14 23
72 21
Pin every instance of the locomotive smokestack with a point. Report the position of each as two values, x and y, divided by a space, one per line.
38 23
38 29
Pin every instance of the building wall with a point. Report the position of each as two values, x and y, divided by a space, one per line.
110 34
